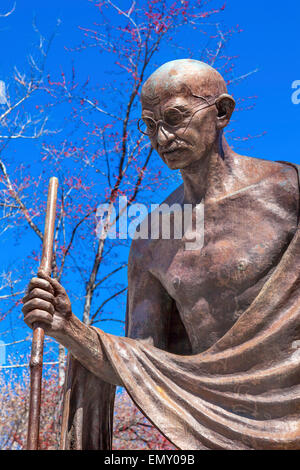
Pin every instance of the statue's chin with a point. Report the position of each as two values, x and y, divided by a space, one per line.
179 164
175 165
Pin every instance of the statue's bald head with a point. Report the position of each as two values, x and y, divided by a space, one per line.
183 77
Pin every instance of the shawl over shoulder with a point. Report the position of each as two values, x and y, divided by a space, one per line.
242 393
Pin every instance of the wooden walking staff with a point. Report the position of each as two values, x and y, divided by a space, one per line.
36 359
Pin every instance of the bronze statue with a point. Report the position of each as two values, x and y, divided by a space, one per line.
212 352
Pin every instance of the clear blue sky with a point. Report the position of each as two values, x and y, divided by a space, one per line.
269 43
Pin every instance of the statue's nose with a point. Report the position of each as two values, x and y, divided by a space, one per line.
164 136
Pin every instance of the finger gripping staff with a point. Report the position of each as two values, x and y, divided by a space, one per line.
36 359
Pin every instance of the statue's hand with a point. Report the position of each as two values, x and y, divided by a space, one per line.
46 303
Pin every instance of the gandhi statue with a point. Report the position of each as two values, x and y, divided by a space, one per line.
211 348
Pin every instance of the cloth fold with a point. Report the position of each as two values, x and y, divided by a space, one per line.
88 410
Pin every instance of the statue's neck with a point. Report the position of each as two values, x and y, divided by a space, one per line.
207 178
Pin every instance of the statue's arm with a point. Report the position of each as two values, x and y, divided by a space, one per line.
148 312
47 303
148 306
84 344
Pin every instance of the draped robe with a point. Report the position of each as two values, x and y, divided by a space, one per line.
242 393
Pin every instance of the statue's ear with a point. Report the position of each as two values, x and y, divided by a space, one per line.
225 105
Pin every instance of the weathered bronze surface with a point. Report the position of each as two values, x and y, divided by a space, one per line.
212 350
37 347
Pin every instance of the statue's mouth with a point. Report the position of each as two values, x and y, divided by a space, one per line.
170 152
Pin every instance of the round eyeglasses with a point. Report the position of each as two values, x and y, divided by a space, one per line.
172 118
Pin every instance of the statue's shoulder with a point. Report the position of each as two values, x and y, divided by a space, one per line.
276 181
282 173
141 249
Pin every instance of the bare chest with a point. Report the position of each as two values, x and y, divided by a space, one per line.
242 244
